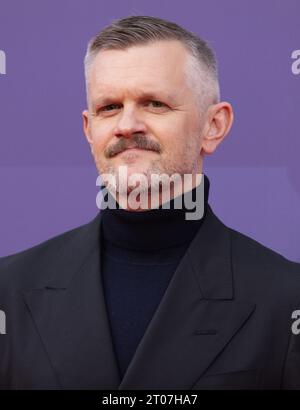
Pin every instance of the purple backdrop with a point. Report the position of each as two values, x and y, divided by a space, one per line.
47 175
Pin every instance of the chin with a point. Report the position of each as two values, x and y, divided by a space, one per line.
134 169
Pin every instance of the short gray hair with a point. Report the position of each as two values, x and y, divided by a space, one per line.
138 30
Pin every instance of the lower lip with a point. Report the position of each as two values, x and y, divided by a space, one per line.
134 149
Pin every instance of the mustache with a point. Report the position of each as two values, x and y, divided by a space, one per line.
136 141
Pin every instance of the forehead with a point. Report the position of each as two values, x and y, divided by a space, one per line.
156 66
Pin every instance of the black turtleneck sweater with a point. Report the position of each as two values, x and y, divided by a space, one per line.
141 251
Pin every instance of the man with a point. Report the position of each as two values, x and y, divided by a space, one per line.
143 297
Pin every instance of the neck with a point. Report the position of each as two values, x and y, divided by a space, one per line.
171 224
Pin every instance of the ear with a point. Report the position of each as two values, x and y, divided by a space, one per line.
219 119
86 127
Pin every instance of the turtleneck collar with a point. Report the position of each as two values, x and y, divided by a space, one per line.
153 229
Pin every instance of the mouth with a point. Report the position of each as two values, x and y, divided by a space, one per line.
134 150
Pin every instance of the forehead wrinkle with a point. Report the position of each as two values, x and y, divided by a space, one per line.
137 94
173 79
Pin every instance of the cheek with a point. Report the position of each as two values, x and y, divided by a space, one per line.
174 136
168 132
101 136
182 139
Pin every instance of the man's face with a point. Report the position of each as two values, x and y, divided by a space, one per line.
140 97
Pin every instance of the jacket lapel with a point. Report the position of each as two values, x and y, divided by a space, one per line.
70 315
195 319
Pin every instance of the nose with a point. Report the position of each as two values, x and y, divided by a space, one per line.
129 123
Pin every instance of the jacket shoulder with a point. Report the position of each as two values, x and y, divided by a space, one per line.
250 247
255 263
22 266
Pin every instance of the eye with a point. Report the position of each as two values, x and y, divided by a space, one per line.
157 104
109 107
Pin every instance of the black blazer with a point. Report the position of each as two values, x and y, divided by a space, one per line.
223 323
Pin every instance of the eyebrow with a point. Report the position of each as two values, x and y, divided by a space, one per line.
106 100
